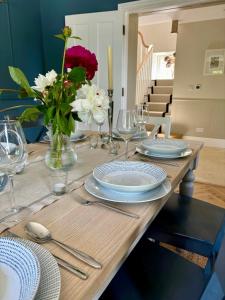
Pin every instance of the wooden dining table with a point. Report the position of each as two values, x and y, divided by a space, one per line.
106 235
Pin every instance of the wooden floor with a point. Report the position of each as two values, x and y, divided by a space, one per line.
212 194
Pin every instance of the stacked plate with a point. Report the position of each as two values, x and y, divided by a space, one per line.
75 137
136 136
164 148
27 271
128 182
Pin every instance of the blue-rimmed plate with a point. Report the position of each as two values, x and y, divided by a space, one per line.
165 146
20 271
129 176
140 149
50 281
72 138
93 187
136 136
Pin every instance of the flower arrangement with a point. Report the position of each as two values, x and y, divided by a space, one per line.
62 98
55 94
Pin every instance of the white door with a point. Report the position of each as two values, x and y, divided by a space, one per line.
98 31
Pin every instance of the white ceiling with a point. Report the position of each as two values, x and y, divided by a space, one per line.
184 16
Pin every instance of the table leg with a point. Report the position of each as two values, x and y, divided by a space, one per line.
186 187
187 184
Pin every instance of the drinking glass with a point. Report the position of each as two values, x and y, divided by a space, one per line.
13 154
141 117
126 126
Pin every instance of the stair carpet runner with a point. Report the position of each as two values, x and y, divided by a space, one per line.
159 98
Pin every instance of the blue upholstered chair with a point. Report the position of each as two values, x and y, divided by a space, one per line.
190 224
152 272
33 131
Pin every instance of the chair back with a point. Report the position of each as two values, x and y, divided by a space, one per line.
215 288
33 130
164 122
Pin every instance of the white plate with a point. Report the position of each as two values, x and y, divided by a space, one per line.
129 176
165 146
11 147
50 282
72 138
136 136
93 187
20 271
143 151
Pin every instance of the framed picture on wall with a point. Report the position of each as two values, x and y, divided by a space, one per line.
214 62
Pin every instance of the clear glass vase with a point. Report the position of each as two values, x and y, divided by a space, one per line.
60 158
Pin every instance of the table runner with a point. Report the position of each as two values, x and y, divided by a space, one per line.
33 188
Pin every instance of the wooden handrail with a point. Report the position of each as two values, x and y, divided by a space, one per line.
142 40
145 58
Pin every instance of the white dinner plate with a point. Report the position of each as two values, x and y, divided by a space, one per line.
165 146
136 136
129 176
140 149
50 281
11 147
72 138
20 271
93 187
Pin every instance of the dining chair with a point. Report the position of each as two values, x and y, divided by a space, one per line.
33 130
190 224
163 122
152 272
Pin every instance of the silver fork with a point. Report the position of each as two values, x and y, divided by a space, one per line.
107 205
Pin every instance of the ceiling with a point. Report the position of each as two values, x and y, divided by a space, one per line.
184 16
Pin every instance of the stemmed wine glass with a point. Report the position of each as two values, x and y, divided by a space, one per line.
126 126
12 153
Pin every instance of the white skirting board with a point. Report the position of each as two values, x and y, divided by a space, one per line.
209 142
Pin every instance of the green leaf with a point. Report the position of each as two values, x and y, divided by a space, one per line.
77 75
75 116
29 114
71 123
75 37
60 36
19 77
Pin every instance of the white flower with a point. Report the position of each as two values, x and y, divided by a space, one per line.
81 105
51 77
91 103
41 82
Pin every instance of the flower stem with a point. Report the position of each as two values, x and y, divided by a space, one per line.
63 61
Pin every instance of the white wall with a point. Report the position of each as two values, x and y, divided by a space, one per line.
159 35
204 109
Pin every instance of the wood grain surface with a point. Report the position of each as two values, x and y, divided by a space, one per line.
104 234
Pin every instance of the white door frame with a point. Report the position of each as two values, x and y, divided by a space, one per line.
144 6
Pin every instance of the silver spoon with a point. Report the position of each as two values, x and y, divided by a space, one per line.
42 235
116 209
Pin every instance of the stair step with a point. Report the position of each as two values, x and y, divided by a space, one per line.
156 113
157 106
162 90
164 82
166 98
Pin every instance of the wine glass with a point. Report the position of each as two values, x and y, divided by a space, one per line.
13 154
126 126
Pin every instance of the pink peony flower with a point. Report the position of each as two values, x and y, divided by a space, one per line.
79 56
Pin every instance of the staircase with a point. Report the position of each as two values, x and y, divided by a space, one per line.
159 98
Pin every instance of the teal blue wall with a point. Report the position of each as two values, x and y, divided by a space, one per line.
26 30
53 14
